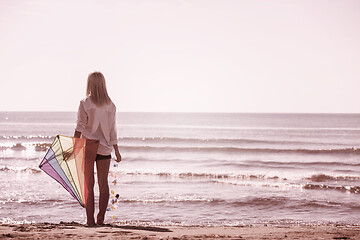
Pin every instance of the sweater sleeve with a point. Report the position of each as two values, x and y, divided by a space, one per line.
82 118
113 131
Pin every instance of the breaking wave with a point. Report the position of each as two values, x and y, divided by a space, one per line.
40 147
351 189
234 150
19 169
313 178
324 178
217 141
203 149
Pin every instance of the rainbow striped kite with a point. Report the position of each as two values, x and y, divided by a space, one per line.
65 162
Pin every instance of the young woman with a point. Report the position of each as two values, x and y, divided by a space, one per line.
96 120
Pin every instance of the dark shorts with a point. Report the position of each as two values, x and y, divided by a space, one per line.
102 157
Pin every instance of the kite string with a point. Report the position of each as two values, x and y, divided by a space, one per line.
114 198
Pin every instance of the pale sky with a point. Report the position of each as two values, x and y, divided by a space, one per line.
182 55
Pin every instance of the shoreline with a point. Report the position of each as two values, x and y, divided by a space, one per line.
74 230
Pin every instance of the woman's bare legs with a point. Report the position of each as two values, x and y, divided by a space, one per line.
102 167
89 178
90 153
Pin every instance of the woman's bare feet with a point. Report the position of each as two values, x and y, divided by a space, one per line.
90 224
100 219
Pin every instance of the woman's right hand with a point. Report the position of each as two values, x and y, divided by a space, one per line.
117 153
118 156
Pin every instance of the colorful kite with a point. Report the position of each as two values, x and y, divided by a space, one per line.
65 162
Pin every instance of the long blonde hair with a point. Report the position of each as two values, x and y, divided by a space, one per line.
96 89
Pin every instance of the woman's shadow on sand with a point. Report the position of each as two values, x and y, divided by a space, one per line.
143 228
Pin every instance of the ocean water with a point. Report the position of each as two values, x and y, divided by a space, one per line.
195 169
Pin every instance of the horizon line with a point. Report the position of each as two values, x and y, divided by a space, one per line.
189 112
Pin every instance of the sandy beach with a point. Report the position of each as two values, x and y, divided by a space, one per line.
75 230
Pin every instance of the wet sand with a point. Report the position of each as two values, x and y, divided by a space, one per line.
75 230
